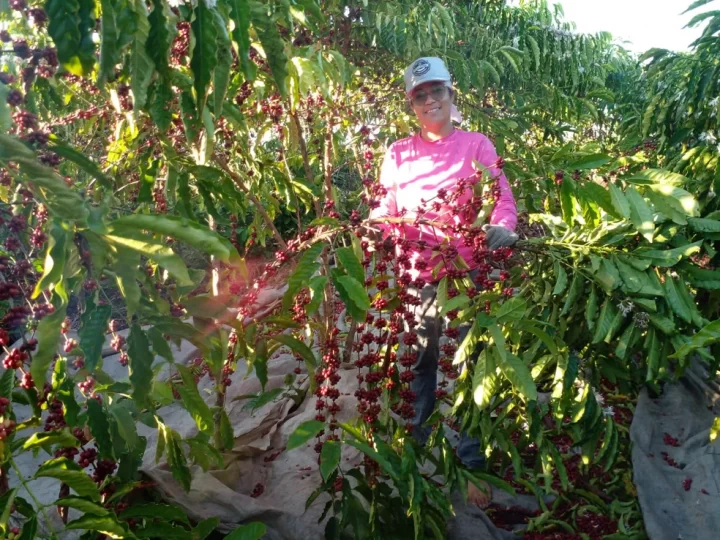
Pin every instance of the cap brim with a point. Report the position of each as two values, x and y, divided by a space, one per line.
431 79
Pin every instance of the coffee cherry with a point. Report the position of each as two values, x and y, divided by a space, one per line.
15 359
7 426
27 382
21 49
117 343
38 16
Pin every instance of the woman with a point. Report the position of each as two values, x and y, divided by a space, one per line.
413 172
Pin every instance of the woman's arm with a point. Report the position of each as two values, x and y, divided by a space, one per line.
505 211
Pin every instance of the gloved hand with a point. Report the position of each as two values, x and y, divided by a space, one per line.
497 236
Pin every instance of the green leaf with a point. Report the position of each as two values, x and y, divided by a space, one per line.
591 308
317 286
303 433
193 402
29 530
126 269
272 43
227 434
484 380
7 501
641 214
66 394
55 257
260 363
221 78
7 383
567 201
5 116
350 263
665 258
81 160
707 336
619 201
512 309
469 344
154 250
607 275
240 15
71 474
205 53
70 25
160 38
160 345
176 458
126 426
100 428
92 334
141 65
608 314
593 161
659 177
109 46
46 439
636 282
653 357
203 529
678 199
155 511
676 302
512 367
457 302
140 364
666 325
562 279
667 206
298 347
704 225
252 531
329 458
601 196
304 270
576 288
103 524
193 234
476 476
48 335
85 506
355 291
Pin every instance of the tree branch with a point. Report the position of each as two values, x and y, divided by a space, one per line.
237 179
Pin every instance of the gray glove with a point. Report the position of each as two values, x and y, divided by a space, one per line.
497 236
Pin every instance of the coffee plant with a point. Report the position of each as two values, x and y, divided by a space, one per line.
165 162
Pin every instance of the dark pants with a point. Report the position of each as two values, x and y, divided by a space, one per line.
425 382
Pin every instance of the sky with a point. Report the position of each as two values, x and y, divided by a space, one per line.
646 23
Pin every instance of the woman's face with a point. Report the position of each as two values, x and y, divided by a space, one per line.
431 102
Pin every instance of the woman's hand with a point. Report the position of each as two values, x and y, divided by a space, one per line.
497 236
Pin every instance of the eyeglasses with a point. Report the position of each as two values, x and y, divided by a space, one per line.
438 93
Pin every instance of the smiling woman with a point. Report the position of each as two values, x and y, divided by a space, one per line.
421 168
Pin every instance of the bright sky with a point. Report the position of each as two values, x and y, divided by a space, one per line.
645 23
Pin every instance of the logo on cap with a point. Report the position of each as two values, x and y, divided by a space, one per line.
421 67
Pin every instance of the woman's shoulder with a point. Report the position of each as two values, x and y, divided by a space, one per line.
473 136
401 144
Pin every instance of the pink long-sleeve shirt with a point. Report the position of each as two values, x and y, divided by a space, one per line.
414 170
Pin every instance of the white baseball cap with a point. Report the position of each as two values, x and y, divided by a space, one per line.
426 69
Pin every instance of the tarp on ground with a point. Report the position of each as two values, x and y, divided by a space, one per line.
678 483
